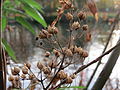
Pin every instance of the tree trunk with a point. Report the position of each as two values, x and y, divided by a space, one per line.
104 75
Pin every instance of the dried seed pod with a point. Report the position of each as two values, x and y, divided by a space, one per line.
28 65
23 76
42 35
24 70
73 76
46 70
56 52
40 65
47 54
69 16
75 25
13 72
81 15
68 53
17 78
10 78
31 76
79 50
69 80
52 30
85 27
62 74
85 54
16 70
52 64
68 4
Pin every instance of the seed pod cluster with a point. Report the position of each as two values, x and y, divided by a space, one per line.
24 70
15 71
44 34
61 74
52 64
85 27
75 25
52 30
81 15
69 16
56 53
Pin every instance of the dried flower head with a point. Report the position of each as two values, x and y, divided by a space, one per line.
27 64
69 16
24 70
47 54
46 70
62 74
52 64
79 50
81 15
73 76
85 27
17 78
85 54
68 53
69 80
40 65
31 76
23 76
75 25
16 70
52 29
10 78
56 53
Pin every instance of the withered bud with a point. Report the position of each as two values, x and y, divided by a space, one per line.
40 65
23 76
75 25
27 64
69 16
73 76
46 70
85 54
69 80
62 74
85 27
81 15
31 76
16 70
79 50
47 54
52 64
24 70
56 53
10 78
68 53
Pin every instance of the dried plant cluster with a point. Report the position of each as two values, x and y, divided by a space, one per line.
52 73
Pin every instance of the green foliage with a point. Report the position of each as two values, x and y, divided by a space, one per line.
4 22
8 49
25 23
74 87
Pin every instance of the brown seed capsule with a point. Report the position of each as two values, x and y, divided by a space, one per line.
81 15
52 30
85 54
28 65
16 70
11 78
24 70
68 53
42 35
40 65
13 72
46 70
31 76
23 76
75 25
47 54
17 78
73 76
52 64
56 52
69 80
85 27
69 16
79 50
62 74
